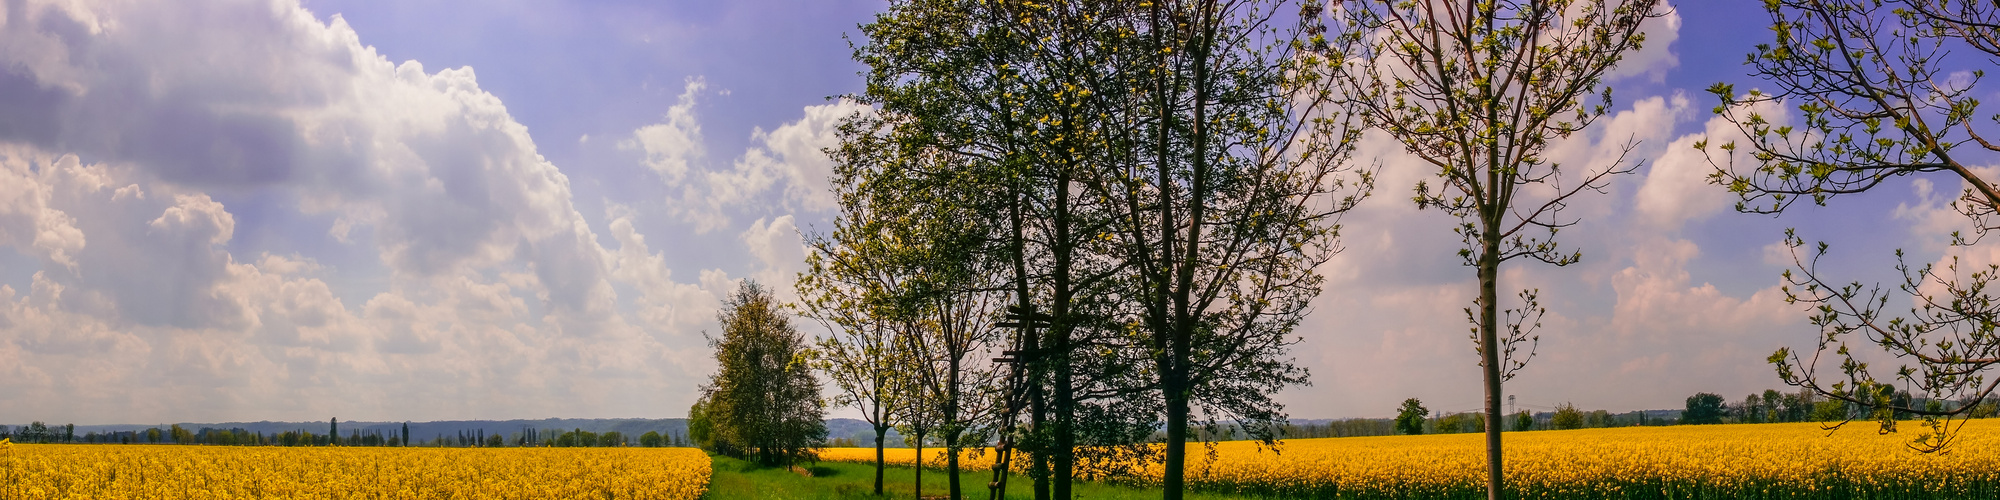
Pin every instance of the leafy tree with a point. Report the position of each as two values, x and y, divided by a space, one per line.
651 439
1183 151
1567 417
845 288
1703 408
1884 89
908 286
1476 91
999 88
1461 422
1225 192
1523 422
1599 419
1832 410
1772 402
1410 418
763 402
701 430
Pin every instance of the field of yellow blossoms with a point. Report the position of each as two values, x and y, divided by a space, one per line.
142 472
1753 461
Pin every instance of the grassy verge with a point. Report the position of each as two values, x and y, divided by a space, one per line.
735 479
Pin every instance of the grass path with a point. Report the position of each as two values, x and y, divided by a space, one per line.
735 479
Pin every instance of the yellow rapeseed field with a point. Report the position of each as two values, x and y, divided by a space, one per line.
145 472
1715 461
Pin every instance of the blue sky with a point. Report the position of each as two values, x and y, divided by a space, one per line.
433 209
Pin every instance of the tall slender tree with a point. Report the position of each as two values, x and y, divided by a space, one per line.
846 288
1475 92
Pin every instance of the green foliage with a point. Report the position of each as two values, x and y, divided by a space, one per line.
1832 410
1703 408
1410 418
1523 422
1567 417
763 403
651 439
701 431
1461 422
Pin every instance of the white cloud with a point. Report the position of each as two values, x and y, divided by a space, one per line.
493 298
672 145
1676 189
777 246
663 304
1633 326
1655 56
789 160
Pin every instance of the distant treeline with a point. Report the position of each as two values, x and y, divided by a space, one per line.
38 432
1769 406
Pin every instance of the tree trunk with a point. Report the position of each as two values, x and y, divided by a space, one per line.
951 469
920 466
1065 392
1489 353
881 433
1174 477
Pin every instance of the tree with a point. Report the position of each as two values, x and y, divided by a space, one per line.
1410 418
1567 417
1476 91
701 431
1523 421
845 285
909 286
1772 402
651 439
406 433
763 402
1703 408
1884 91
1599 419
1225 191
1753 410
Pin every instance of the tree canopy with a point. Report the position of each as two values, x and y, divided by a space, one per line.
763 402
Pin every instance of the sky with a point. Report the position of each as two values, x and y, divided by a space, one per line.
240 210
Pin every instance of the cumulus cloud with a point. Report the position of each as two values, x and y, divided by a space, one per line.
1638 312
1676 190
1656 56
673 144
121 128
788 162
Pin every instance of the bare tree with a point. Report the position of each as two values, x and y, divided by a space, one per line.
1885 89
1476 91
